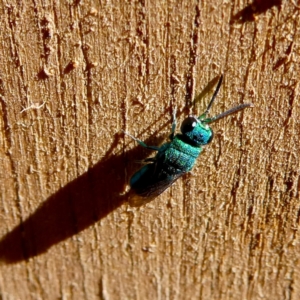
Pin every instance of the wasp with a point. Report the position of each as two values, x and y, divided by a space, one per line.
176 157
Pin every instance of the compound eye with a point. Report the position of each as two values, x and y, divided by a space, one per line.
188 124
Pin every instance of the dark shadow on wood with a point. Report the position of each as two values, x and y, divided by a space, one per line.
257 7
75 207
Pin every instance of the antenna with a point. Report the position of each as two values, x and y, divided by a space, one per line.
213 97
227 113
233 110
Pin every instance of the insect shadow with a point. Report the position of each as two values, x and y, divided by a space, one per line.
79 204
73 208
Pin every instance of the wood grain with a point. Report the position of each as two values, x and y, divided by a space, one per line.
73 75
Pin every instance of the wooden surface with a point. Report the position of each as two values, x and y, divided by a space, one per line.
73 75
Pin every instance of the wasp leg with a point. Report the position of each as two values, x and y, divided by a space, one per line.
141 143
145 161
150 159
174 123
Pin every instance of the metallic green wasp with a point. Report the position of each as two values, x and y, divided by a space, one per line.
177 157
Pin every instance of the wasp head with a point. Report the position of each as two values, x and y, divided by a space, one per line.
196 131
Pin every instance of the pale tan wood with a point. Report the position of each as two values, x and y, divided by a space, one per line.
73 75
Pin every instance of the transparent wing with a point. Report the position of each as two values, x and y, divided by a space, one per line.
151 184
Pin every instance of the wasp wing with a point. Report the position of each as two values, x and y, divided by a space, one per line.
152 181
152 192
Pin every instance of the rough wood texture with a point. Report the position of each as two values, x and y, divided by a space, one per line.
73 75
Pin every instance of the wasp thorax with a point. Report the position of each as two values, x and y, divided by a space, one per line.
196 132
